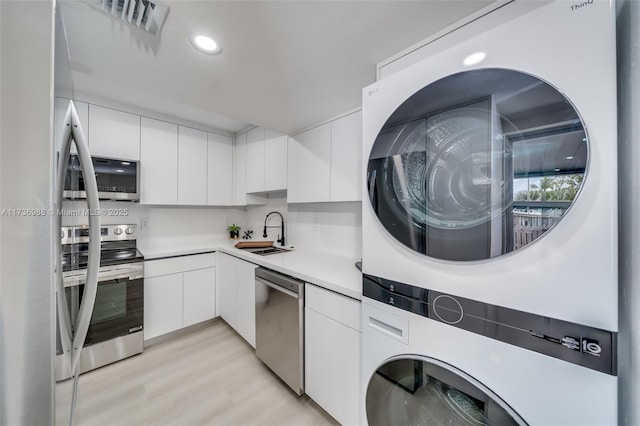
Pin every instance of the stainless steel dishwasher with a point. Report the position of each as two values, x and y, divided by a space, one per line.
280 326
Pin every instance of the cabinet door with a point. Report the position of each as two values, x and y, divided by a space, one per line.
220 170
332 366
275 161
159 164
114 133
246 282
346 158
162 305
199 302
255 160
192 166
226 294
309 177
60 106
240 171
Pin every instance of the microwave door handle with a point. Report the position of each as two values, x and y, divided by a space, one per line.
64 318
93 261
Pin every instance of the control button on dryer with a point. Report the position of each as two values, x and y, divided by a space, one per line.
448 309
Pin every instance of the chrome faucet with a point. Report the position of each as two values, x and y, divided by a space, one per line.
264 232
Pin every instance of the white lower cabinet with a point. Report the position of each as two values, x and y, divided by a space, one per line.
162 305
246 283
226 290
236 295
178 292
332 353
199 296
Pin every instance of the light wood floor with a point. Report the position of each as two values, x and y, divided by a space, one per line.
208 377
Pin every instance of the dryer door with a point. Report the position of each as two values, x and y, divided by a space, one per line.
477 164
425 391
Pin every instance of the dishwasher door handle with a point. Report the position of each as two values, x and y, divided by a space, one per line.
278 288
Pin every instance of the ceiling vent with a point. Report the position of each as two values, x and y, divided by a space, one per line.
148 15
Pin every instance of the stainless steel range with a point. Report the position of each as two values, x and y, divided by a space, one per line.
115 329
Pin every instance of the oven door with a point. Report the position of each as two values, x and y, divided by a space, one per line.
118 309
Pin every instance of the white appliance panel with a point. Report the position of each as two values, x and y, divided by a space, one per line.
570 273
540 389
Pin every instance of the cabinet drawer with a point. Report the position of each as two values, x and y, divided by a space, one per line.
173 265
335 306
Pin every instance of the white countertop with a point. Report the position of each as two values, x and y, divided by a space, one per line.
333 272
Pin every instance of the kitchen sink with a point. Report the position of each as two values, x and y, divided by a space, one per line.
264 251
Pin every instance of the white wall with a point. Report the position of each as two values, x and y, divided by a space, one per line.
332 227
629 211
26 280
164 223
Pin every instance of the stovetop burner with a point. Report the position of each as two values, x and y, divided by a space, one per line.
118 246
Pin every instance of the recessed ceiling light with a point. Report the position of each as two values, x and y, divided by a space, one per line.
570 157
205 44
474 58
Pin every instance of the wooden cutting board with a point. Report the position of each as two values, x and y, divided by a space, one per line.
254 244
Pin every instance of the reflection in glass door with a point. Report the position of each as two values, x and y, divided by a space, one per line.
545 188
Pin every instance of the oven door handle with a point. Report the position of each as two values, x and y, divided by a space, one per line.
73 133
133 273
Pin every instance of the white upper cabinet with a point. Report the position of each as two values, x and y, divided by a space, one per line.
114 134
346 158
240 170
192 166
325 163
275 161
255 160
220 170
60 106
266 160
309 159
158 162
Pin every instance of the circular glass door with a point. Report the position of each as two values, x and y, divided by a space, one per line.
424 391
477 165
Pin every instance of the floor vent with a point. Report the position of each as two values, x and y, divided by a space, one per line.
148 15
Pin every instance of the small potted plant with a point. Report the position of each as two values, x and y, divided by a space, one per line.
234 231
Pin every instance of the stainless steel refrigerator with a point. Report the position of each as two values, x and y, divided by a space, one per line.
32 45
26 168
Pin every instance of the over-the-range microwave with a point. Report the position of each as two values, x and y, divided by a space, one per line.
117 179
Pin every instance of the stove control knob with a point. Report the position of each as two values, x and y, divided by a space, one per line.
129 230
117 231
61 234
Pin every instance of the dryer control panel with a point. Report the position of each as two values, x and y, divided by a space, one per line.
575 343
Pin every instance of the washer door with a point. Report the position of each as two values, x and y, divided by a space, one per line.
477 165
425 391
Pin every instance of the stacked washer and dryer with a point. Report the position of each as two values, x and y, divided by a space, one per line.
490 286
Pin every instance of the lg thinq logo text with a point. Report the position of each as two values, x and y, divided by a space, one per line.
579 5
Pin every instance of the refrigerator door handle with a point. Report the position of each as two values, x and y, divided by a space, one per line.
73 133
